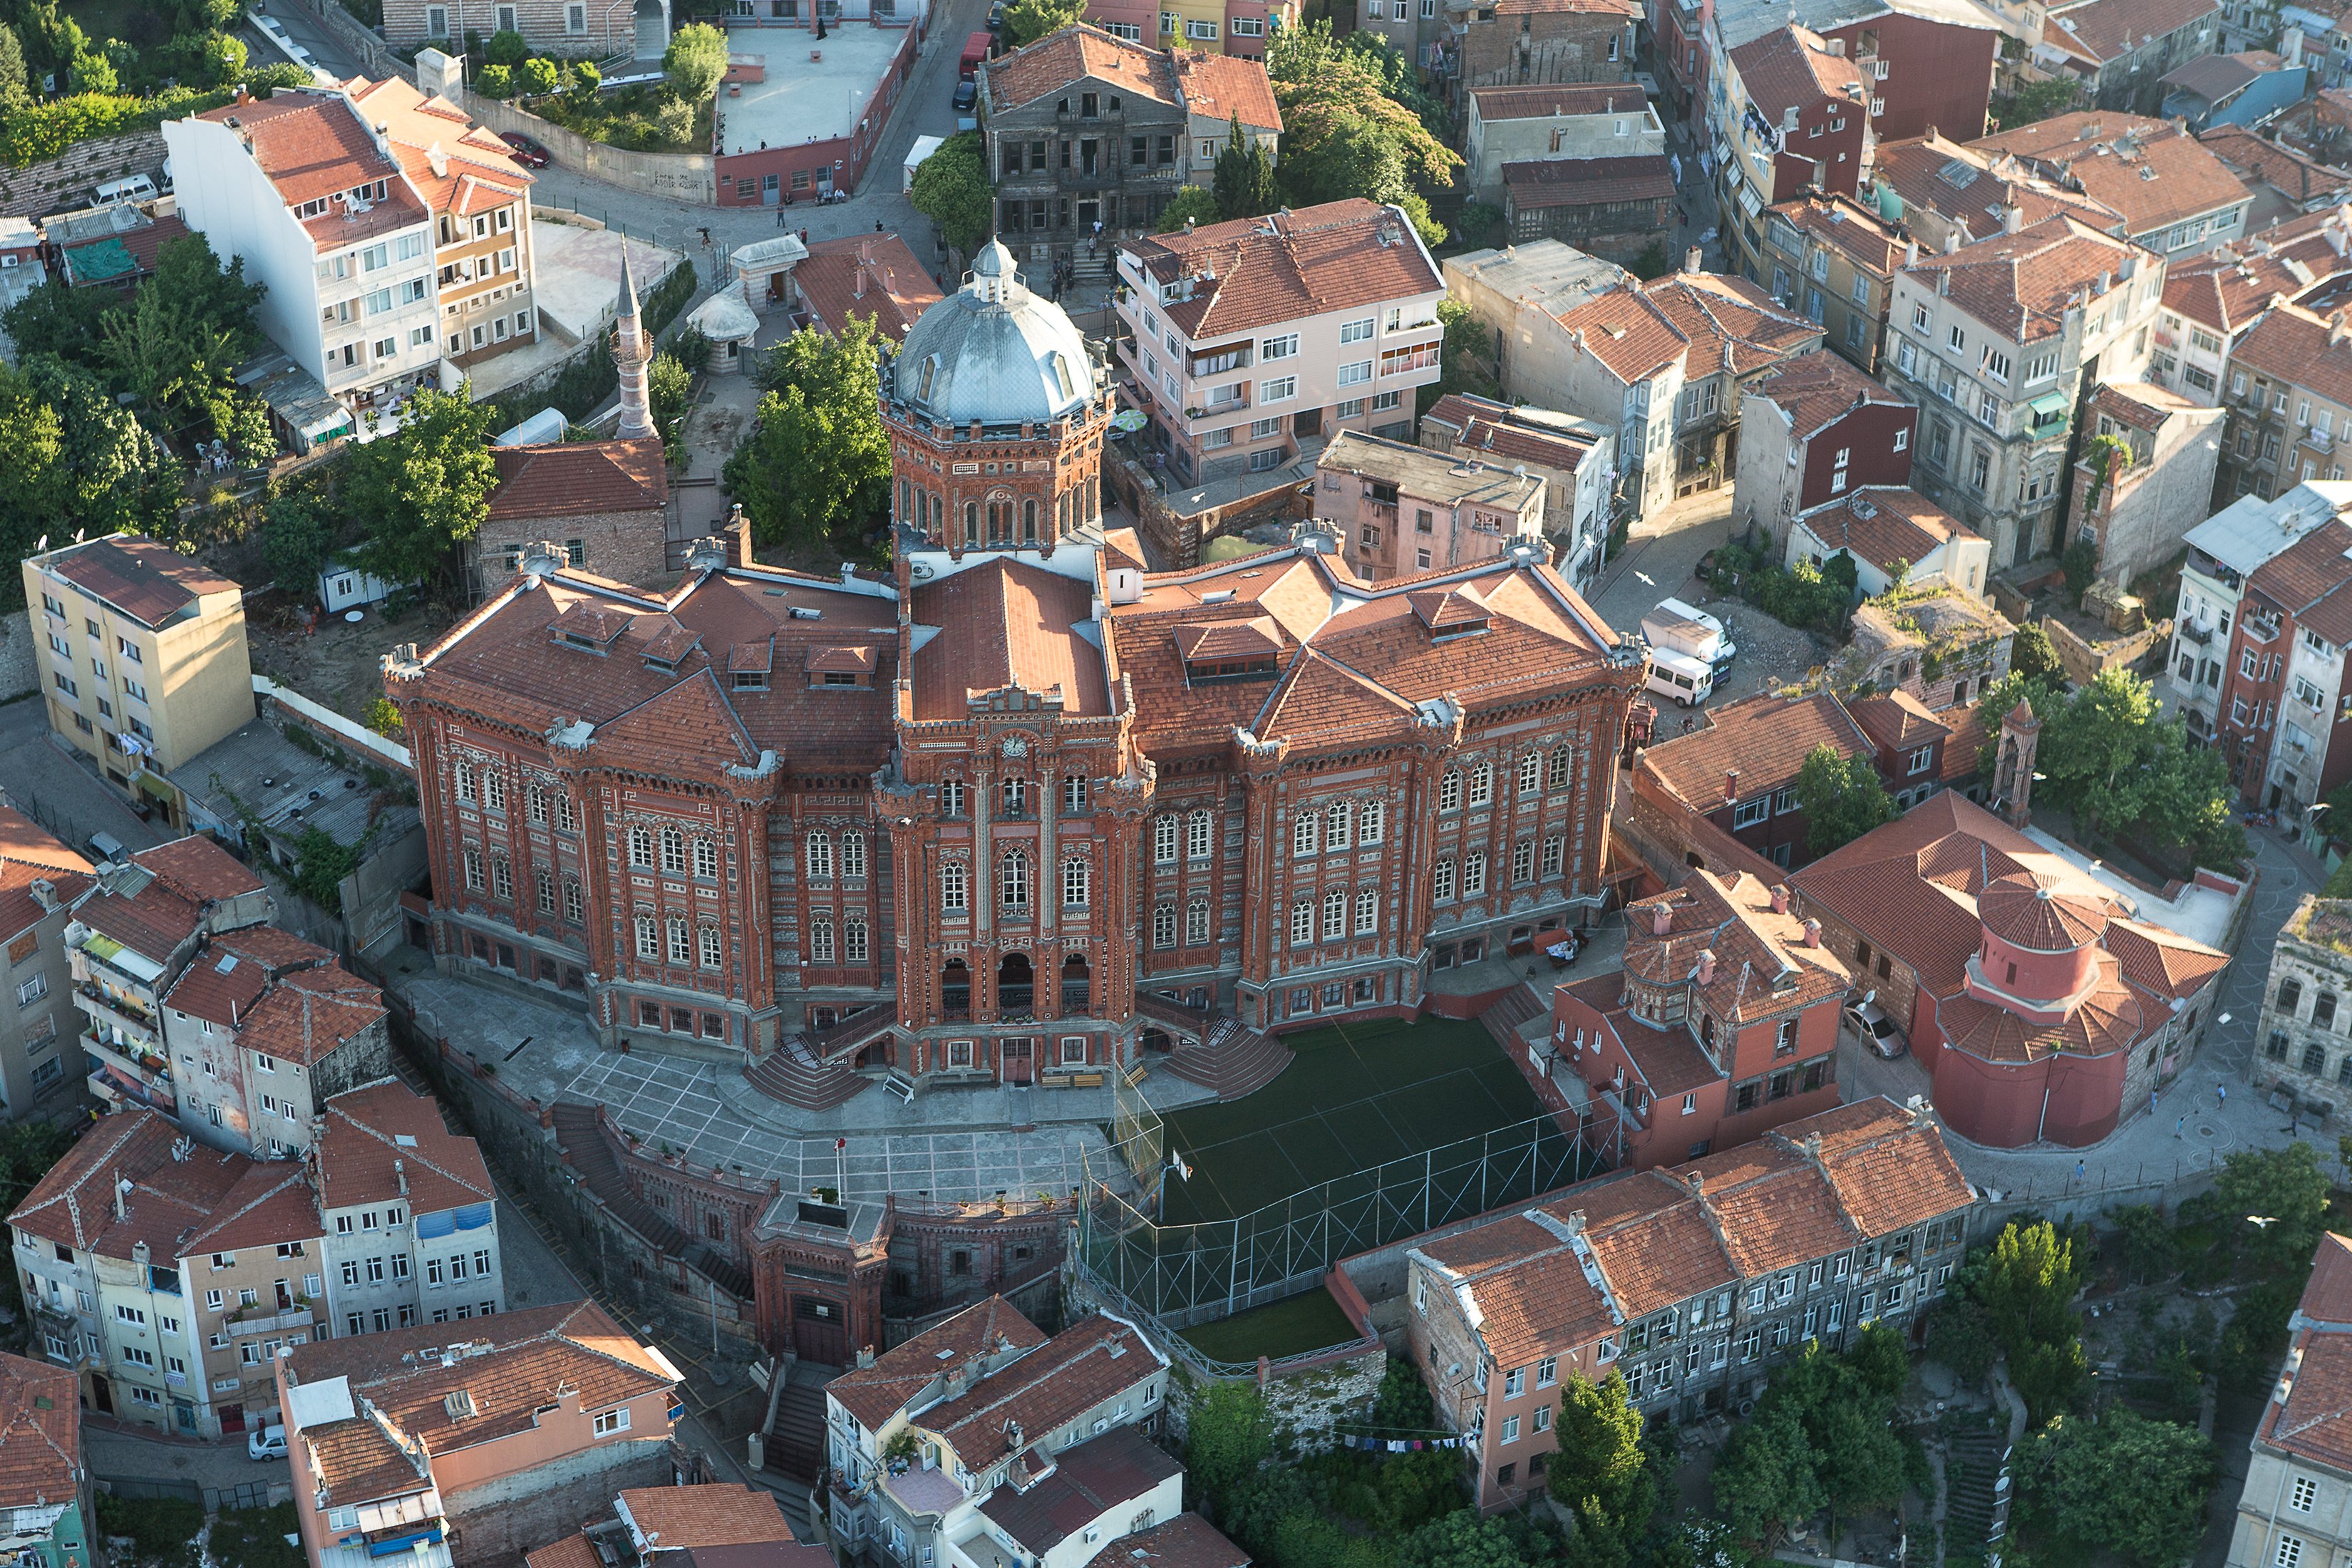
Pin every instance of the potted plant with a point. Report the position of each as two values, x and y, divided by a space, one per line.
898 1453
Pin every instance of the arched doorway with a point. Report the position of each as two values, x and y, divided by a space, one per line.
955 990
652 19
1016 986
1077 989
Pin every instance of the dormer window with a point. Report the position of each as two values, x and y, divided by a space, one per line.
923 380
750 680
1062 375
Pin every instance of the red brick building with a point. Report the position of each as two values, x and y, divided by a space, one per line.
1723 1025
1740 772
949 822
1813 429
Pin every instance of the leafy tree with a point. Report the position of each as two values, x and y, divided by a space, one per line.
674 118
384 717
495 82
1479 223
1843 798
1698 1541
1463 1540
1192 203
695 62
820 461
76 453
585 79
667 382
422 490
1879 1360
1465 360
1601 1473
2031 655
1766 1481
93 72
952 189
1245 178
320 864
177 345
538 75
2025 1285
2150 1249
508 48
27 1149
1030 20
15 90
1653 261
1345 132
2134 1486
2036 100
2286 1190
1228 1437
296 544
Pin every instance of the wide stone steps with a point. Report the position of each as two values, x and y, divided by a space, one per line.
1502 1019
796 1445
1233 1065
792 1074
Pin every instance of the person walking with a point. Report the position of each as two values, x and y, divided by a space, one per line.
2180 1126
2220 1095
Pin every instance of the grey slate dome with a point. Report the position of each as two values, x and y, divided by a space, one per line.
994 351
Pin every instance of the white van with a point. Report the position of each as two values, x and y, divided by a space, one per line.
1687 680
114 193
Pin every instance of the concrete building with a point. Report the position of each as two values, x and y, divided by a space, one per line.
1402 510
44 1484
1252 343
1996 341
1693 1281
2121 51
2175 197
2222 552
2299 1473
1595 120
146 661
717 1519
2243 90
1812 429
2210 301
1575 458
2279 709
638 29
537 1420
314 199
408 1212
1834 260
2303 1049
40 881
1891 532
2289 400
2286 183
1928 63
2138 491
1239 28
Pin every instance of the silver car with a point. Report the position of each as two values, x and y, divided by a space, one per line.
1877 1030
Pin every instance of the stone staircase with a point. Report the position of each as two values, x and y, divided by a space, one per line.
586 1150
792 1074
1976 1503
796 1445
1502 1020
1093 271
1235 1061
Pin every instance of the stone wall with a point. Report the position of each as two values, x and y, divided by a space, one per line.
631 546
20 669
1306 1402
64 183
500 1521
675 176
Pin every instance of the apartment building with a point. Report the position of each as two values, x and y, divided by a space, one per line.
40 880
1536 42
1574 120
1734 335
45 1487
716 1521
2175 197
2304 1048
1995 341
312 197
2297 1495
1811 428
1239 28
2222 552
1400 509
2289 400
1834 260
1216 89
2286 183
1575 458
261 1028
128 940
472 1447
2120 51
1891 533
409 1214
1789 115
993 1406
146 663
635 30
1250 344
1941 189
2211 301
2281 712
1618 208
1724 1025
1928 63
2134 503
479 198
167 1275
1695 1281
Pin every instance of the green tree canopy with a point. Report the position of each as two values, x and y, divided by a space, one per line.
2025 1284
538 75
1227 1437
2285 1189
495 82
419 492
820 461
2134 1486
1822 1437
508 48
952 189
695 62
1246 185
1030 20
1843 798
1192 204
1345 132
2031 655
296 544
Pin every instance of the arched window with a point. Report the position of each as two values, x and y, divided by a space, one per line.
853 854
821 940
1481 783
2323 1010
673 851
1562 768
1338 823
706 859
1163 841
1028 522
681 948
1013 882
494 790
648 937
1474 874
971 522
1196 835
1074 882
820 856
466 791
2290 996
473 858
1371 819
501 877
951 797
714 947
1163 926
564 817
1302 922
1015 796
1074 792
1440 880
1529 766
534 803
2314 1057
1303 835
1335 914
1367 912
575 901
1449 792
1196 924
853 945
544 888
955 887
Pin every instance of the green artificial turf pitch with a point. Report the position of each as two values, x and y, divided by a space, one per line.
1310 1320
1360 1095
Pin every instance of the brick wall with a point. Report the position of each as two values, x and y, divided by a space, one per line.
627 546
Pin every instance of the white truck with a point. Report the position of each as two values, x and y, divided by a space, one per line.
923 148
1686 629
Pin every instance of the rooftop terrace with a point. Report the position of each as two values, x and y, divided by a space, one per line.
809 89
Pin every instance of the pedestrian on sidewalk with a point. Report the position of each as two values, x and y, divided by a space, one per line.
2220 1095
780 217
2180 1126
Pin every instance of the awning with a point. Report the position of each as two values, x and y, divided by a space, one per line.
2050 406
162 789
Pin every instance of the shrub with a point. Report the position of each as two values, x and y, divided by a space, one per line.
507 48
675 118
496 82
539 76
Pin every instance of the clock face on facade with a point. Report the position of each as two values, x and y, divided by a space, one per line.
1015 746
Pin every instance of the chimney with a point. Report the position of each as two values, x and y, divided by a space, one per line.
1812 1146
1690 259
1910 253
1696 1182
399 1176
1706 966
438 160
1662 920
1573 1222
1951 241
1780 898
857 288
1813 933
1731 786
2290 47
2012 218
120 1187
2335 328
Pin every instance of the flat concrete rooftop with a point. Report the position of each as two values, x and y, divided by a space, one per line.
803 100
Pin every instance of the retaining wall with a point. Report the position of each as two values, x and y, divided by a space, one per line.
677 176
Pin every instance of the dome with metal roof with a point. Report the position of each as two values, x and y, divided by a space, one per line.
994 351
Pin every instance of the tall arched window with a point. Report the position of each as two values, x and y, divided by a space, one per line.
534 803
1449 792
1075 793
501 877
466 791
1196 835
543 887
1367 912
1338 824
853 854
854 944
971 522
1481 783
494 790
1074 882
1163 926
473 858
1474 874
1372 820
820 855
1013 882
706 859
1529 766
1303 835
575 901
713 947
1302 922
821 940
1163 841
681 947
1440 880
1335 914
673 851
1562 768
1196 924
955 887
648 937
1028 522
1014 793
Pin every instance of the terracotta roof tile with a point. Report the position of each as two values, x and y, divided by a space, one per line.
1764 738
1885 524
1220 86
2042 911
28 855
1114 1471
2108 29
1005 622
1815 390
270 1204
578 478
1074 54
1651 1235
309 1013
875 276
1762 967
2303 348
1340 256
900 1376
170 1200
40 1433
1897 721
1792 67
1567 98
312 145
1730 323
572 1552
1041 1392
1971 186
229 973
2229 285
2299 177
2152 171
198 869
1532 1293
1848 226
368 1130
724 1513
1187 1541
2020 284
1627 331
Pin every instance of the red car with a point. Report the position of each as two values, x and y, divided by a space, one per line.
527 153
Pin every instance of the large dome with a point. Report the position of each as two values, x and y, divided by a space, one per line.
994 351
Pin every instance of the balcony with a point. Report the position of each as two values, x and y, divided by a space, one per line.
2320 441
257 1322
1216 407
107 1008
2260 630
2194 631
144 1068
105 1085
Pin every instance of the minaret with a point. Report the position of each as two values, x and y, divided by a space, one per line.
2020 734
630 354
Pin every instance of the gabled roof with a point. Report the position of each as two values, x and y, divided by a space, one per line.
1845 225
175 1187
40 1434
2105 30
1500 433
1539 183
898 1376
1732 326
866 275
1027 1402
1099 1482
1256 271
386 1143
1971 186
2229 285
1220 86
1006 622
456 165
1765 739
2301 348
2217 78
1062 59
2311 579
578 478
1627 331
1884 524
720 1513
2021 284
29 855
312 145
140 578
2253 157
1565 99
1187 1541
1792 67
1762 967
1815 390
2151 171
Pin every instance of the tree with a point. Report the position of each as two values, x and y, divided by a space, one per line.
695 62
1466 359
1879 1360
2036 100
1030 20
419 492
2025 1284
1190 204
384 717
2150 1249
1600 1472
320 864
508 48
585 79
1463 1539
495 82
1245 178
952 189
27 1150
91 459
1843 798
2031 655
296 544
820 461
2134 1486
1765 1481
538 75
15 90
667 382
2286 1190
2090 753
1345 132
1227 1437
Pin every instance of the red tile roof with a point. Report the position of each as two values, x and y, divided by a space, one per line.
1037 1394
28 855
875 275
899 1377
478 171
1765 739
1845 225
578 478
1340 256
2106 30
2042 911
1221 86
270 1204
311 1012
2151 171
312 145
1005 622
1528 1282
1627 331
223 979
2300 178
371 1131
2303 348
1792 67
1187 1541
1730 324
1512 434
2232 283
1549 102
1112 1472
1971 185
1762 967
175 1188
1884 525
199 869
1539 183
1897 721
1061 59
40 1434
572 1552
723 1513
1815 390
2020 284
146 581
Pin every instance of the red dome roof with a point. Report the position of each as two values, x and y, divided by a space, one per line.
2034 909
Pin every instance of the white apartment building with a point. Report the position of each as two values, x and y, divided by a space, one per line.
315 202
2210 301
2223 552
1995 342
1252 343
409 1213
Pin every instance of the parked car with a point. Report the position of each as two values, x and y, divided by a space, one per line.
967 93
265 1443
997 18
527 153
1877 1030
104 846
